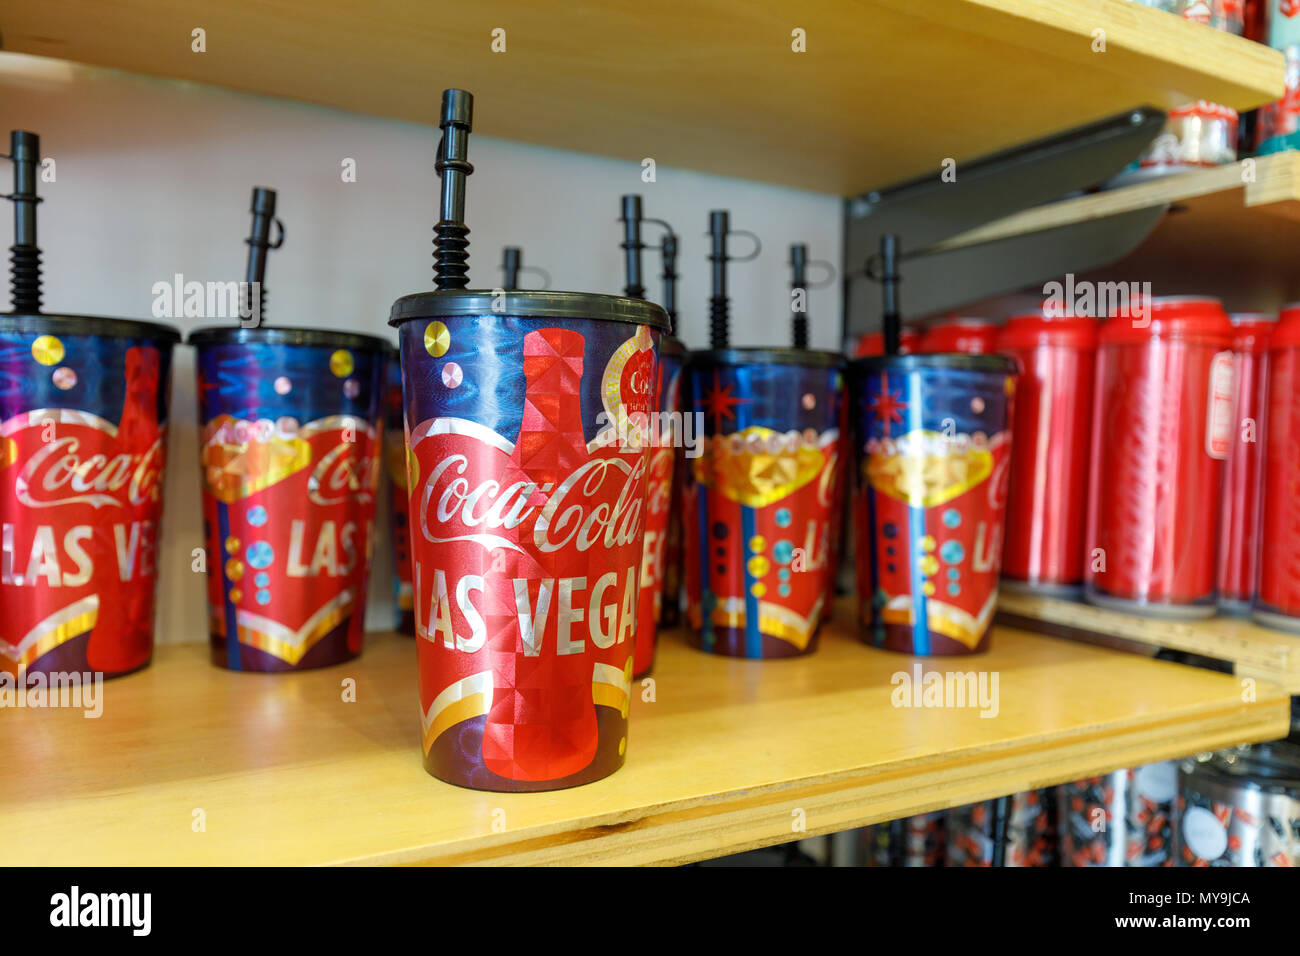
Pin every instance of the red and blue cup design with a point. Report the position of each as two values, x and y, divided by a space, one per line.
529 453
399 502
933 450
662 506
289 448
762 499
83 445
1277 602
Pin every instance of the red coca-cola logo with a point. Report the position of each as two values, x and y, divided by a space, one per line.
83 469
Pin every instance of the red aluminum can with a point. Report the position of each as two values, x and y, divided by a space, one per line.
1048 498
1277 602
1162 428
1242 490
961 334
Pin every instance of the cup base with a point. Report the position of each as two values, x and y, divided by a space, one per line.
900 639
329 652
1279 622
1164 610
1066 592
734 642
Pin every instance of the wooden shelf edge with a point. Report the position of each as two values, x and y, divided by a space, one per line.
1253 650
722 824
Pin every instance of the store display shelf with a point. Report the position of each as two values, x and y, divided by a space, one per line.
1253 651
1246 203
886 90
189 764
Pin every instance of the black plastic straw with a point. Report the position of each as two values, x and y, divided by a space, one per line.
669 249
451 235
259 243
719 226
24 255
799 298
630 215
889 291
511 261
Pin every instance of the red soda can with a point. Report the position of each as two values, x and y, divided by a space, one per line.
1048 497
1162 428
961 334
1242 483
1277 602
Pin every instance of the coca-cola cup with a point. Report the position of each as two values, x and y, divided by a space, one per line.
933 453
83 427
289 433
1277 601
1243 480
399 502
1162 427
762 502
529 447
1047 503
661 557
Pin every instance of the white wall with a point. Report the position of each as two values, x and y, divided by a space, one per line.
153 178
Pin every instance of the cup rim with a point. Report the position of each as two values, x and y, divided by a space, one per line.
808 358
63 323
528 304
285 335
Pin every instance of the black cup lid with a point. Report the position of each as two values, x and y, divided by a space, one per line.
529 303
61 324
282 335
935 360
808 358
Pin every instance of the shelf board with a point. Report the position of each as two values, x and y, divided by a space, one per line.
1254 651
287 773
886 90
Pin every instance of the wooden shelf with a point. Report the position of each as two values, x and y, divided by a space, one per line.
1254 651
285 772
886 90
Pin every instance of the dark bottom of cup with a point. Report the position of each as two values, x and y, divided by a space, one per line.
1159 609
902 639
1280 622
406 623
670 615
330 650
455 758
733 642
70 658
1067 592
1234 607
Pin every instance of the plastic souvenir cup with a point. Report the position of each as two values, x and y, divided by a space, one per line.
933 452
529 454
762 501
83 444
289 432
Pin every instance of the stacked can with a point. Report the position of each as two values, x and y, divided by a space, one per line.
960 334
763 499
1030 837
529 453
919 840
399 505
1277 602
83 425
1243 477
289 448
1125 818
667 440
1162 428
1048 496
1241 807
933 447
